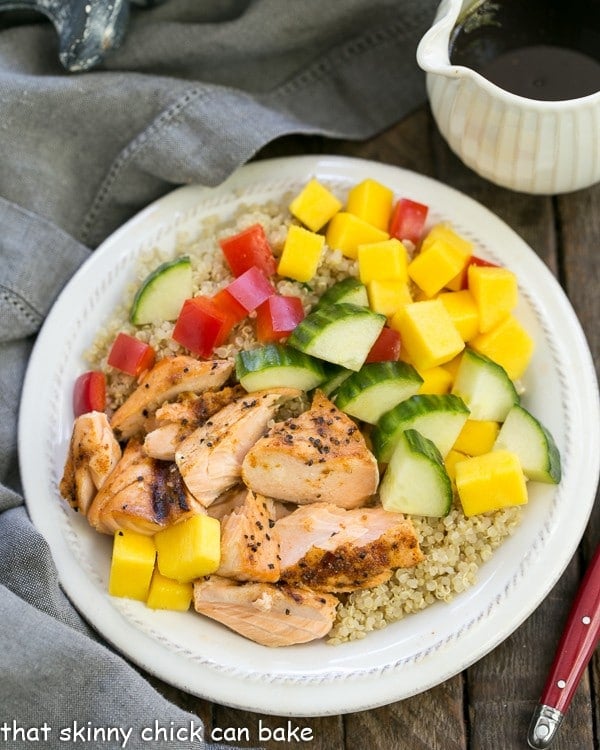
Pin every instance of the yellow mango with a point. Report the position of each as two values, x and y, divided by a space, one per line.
371 201
132 564
489 482
383 261
435 380
428 333
166 593
444 233
463 311
508 344
314 205
345 232
452 458
433 268
477 437
189 549
452 366
495 292
301 254
387 297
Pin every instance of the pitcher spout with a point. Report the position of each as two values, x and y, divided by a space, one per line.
433 51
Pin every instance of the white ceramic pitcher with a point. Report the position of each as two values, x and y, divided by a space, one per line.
527 145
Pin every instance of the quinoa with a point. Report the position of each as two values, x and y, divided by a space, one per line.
454 546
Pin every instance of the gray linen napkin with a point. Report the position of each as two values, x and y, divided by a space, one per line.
194 91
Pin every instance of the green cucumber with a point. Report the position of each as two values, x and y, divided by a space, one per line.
163 292
349 290
335 377
376 388
277 366
440 418
485 387
342 334
415 480
524 435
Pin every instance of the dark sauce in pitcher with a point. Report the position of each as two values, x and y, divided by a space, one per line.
540 49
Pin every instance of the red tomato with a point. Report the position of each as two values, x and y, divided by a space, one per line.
386 347
408 220
249 248
201 326
225 302
277 317
89 393
130 355
474 260
250 289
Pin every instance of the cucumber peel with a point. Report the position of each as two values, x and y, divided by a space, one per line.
349 290
485 387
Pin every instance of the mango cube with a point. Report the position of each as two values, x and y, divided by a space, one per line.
489 482
314 205
189 549
477 437
435 380
433 268
165 593
444 233
383 261
508 344
428 333
452 458
495 292
387 297
346 232
132 564
301 254
463 311
371 201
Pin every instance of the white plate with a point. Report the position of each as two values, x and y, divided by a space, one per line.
424 649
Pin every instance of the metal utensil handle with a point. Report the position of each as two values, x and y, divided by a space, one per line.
577 644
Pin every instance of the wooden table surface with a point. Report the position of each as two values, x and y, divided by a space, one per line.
489 705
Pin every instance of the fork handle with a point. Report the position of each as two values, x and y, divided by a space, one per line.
577 644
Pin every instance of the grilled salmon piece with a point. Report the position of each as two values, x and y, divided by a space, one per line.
249 545
168 378
93 454
327 548
266 613
210 459
141 494
320 455
175 420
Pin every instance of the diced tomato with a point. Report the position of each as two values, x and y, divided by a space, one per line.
89 393
249 248
201 326
250 289
277 317
408 219
131 355
225 302
386 347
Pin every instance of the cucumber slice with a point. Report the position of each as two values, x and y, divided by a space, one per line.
337 375
349 290
485 387
163 292
342 334
415 480
277 366
524 435
376 388
440 418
